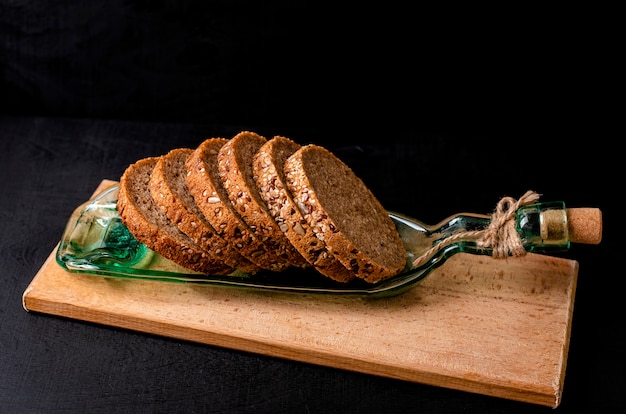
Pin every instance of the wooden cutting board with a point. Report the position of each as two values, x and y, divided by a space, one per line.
476 324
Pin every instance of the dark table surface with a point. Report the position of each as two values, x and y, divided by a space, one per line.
48 364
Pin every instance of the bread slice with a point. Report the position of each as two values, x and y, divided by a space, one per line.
150 226
344 213
168 187
267 167
205 185
234 163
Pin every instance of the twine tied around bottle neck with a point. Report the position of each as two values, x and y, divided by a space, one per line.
500 236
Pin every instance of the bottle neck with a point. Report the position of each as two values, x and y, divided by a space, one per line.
538 227
543 226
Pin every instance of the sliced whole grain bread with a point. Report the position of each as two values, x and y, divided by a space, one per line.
150 226
344 213
267 167
168 187
205 185
235 169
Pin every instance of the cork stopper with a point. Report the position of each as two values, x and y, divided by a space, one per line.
584 225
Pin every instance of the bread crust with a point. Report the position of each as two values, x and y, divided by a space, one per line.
150 226
267 167
234 162
206 187
169 190
249 204
345 214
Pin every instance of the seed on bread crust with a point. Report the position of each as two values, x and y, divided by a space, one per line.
267 166
150 226
169 189
235 160
205 185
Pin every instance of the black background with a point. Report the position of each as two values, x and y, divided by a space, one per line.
438 109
